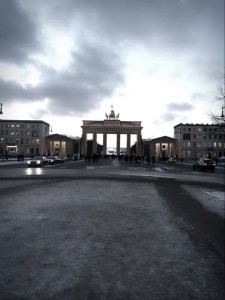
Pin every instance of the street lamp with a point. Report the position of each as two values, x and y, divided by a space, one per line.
222 115
1 112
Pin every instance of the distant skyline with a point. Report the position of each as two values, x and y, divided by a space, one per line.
155 61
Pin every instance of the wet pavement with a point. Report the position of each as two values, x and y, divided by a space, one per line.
109 231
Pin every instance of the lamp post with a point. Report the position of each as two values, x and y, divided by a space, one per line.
222 115
1 112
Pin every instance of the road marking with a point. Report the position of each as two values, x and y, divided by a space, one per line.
216 194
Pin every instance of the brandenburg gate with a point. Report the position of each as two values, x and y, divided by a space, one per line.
111 125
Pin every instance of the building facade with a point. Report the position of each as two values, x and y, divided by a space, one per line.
61 145
197 140
27 136
162 148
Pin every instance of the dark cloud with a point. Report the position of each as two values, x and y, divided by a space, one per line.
93 76
170 25
18 33
179 107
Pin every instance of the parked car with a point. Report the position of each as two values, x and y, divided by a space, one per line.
221 161
61 159
52 160
171 160
37 161
204 164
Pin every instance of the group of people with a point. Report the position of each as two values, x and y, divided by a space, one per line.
127 158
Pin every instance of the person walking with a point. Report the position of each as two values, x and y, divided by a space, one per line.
153 160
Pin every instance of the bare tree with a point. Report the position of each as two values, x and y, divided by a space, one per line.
220 96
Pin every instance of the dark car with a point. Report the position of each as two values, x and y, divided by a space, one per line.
204 164
62 159
37 161
52 160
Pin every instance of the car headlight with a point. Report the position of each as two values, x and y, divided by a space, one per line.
38 161
28 162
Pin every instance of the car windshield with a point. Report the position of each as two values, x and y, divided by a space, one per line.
38 158
208 161
52 157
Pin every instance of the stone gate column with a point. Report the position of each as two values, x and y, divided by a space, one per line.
84 144
118 144
104 143
94 145
128 144
139 148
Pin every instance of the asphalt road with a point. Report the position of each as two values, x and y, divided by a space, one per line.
111 231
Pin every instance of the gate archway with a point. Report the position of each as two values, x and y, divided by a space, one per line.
111 125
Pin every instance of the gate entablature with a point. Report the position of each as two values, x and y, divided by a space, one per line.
111 125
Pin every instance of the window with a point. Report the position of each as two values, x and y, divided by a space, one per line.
209 144
21 142
186 136
2 141
28 133
189 129
189 144
17 132
199 144
17 141
194 136
12 125
194 144
199 129
12 133
35 133
17 125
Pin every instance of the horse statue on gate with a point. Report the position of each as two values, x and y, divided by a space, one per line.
111 115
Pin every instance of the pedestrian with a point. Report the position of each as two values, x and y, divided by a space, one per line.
153 160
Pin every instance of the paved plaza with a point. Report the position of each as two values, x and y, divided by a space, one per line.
102 237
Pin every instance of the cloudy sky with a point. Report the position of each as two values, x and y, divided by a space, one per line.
155 61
